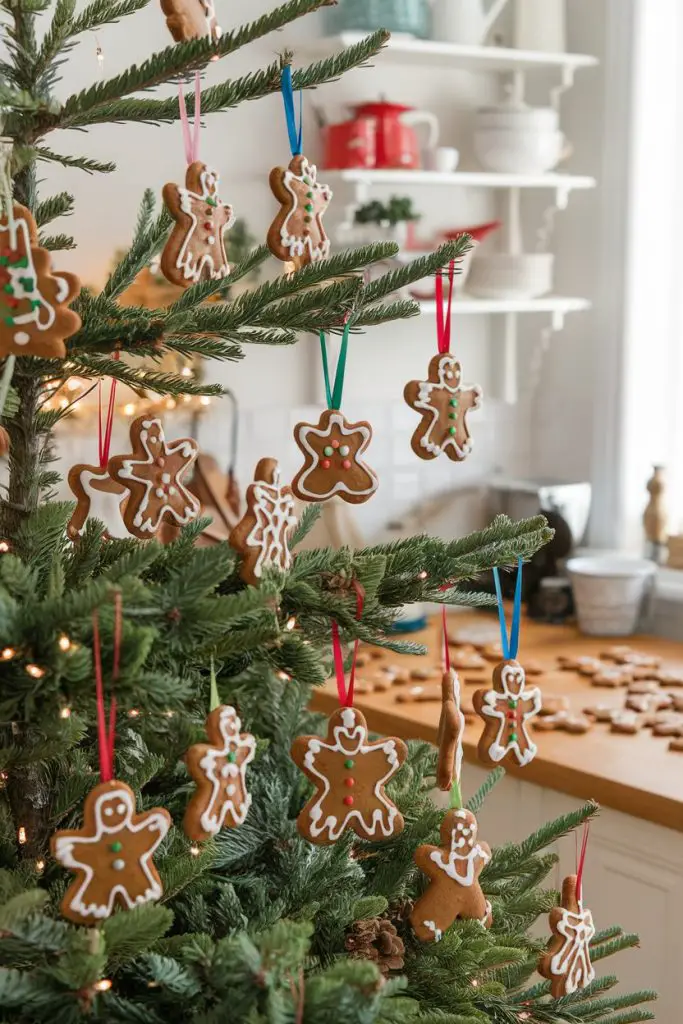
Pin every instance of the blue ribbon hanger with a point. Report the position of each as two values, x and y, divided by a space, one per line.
295 132
510 645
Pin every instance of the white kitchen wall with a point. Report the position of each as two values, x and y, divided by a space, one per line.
548 432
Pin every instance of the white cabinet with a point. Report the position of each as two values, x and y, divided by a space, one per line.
633 878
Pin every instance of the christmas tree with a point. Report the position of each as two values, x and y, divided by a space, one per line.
255 924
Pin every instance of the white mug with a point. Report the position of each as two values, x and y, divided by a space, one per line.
442 158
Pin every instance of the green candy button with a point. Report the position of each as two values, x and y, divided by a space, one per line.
454 402
116 847
309 195
232 758
452 415
328 450
513 736
348 764
451 430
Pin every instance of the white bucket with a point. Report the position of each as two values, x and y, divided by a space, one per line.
609 593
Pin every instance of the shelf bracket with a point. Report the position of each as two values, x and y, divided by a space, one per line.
561 198
557 319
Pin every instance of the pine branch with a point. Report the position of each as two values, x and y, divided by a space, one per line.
60 205
54 243
82 163
309 517
425 266
402 309
140 378
605 949
104 12
103 101
476 802
198 293
54 38
147 242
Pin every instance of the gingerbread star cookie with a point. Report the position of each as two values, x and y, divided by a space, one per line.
349 773
191 19
443 402
453 871
333 465
34 315
297 234
98 496
262 534
153 474
111 855
218 767
566 964
195 250
507 710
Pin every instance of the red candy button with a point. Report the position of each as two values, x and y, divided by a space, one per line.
325 463
335 444
349 782
346 464
348 800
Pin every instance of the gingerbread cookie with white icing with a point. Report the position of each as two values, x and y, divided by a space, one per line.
566 963
219 768
507 710
191 19
451 731
34 316
443 401
153 474
333 450
111 855
262 534
350 774
98 496
297 234
195 250
453 870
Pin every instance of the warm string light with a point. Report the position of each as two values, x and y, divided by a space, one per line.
284 677
65 713
7 653
291 623
35 671
64 643
422 575
4 547
194 850
21 835
40 866
103 985
133 713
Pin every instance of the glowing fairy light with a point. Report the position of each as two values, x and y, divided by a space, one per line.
194 850
21 835
134 712
284 676
7 653
40 866
4 547
103 985
291 623
65 713
64 643
205 400
129 409
35 671
186 371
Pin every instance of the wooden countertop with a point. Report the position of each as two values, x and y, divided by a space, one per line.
635 774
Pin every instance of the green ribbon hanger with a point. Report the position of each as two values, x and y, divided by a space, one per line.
334 393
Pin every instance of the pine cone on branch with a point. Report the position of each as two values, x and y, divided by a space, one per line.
376 940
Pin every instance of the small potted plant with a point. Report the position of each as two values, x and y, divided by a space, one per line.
391 219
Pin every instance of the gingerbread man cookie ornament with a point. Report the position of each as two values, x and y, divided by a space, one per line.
191 19
195 250
507 710
297 234
219 767
262 535
111 855
153 474
566 964
333 464
451 730
453 870
443 402
98 496
34 315
349 773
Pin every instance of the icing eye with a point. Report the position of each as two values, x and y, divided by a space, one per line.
121 808
108 810
449 374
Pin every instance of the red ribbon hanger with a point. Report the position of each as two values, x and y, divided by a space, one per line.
581 860
106 734
443 324
346 693
446 649
104 436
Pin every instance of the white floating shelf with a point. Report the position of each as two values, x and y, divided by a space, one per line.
430 53
468 304
464 179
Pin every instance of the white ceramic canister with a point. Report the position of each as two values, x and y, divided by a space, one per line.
610 592
540 25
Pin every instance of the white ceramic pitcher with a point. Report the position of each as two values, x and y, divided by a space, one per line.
464 21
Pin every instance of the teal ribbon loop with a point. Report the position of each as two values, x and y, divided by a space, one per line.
333 393
510 646
295 132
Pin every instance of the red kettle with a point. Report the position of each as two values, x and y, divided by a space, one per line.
396 143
